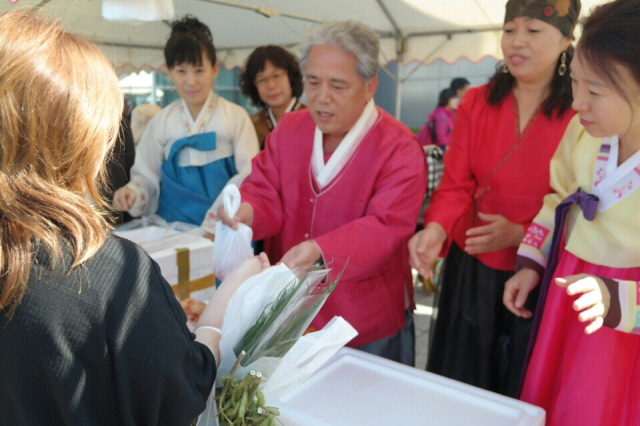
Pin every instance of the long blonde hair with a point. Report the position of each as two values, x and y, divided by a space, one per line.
60 109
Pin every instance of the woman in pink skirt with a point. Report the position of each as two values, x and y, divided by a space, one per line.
584 365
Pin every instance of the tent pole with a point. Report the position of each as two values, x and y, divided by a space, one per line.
400 48
399 62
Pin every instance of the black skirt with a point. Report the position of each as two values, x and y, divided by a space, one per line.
476 340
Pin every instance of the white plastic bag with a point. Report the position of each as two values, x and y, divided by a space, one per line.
231 246
300 362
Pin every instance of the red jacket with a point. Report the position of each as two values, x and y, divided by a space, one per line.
365 215
483 134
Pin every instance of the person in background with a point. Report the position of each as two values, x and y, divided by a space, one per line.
460 85
437 130
90 332
342 183
195 146
273 81
118 167
584 365
495 176
141 115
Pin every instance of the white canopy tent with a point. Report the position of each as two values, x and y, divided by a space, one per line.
421 30
410 30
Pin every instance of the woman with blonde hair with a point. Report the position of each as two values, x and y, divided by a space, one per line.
90 333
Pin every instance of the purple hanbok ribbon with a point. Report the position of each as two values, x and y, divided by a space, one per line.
589 205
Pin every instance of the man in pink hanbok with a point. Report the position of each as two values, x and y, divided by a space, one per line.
343 183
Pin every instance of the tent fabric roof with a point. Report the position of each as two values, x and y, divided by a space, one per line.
425 30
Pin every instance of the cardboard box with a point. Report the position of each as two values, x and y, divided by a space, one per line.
185 259
358 389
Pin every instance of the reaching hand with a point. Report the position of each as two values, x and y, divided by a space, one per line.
499 233
303 256
214 312
124 198
593 304
244 215
517 289
425 246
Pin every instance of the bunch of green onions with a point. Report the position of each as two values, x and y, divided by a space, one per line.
282 322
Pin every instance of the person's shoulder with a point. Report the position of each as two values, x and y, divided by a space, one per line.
259 116
476 94
575 130
120 251
390 125
230 107
295 120
160 118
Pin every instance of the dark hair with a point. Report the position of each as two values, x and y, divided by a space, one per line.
609 36
189 37
458 83
280 58
445 95
560 97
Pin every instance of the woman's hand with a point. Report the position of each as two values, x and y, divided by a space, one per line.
213 314
593 305
497 234
244 215
425 246
123 199
517 289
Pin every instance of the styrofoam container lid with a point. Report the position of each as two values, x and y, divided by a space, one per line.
356 388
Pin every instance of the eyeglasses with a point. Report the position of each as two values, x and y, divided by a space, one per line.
276 77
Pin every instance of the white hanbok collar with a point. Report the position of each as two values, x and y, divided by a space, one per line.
192 127
611 182
324 173
274 122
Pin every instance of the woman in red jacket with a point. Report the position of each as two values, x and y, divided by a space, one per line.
496 174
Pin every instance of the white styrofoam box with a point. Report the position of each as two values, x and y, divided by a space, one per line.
356 389
161 244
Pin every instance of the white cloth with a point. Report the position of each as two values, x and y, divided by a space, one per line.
235 136
612 183
324 173
274 122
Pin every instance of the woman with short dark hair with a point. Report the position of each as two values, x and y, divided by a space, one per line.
273 81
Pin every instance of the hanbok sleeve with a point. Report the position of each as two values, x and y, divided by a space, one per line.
262 189
624 309
455 191
534 249
146 170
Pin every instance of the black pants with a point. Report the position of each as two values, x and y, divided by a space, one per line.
476 339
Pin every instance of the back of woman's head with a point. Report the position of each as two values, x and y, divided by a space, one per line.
445 96
60 108
279 58
611 35
189 38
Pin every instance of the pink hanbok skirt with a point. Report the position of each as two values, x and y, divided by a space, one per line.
580 379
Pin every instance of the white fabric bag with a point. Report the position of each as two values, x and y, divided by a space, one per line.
279 375
231 246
